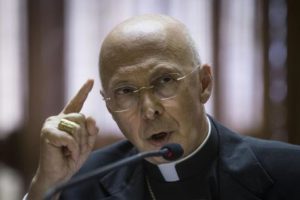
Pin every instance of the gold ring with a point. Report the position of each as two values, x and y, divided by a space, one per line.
67 125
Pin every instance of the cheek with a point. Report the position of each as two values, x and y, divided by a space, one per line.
128 125
189 104
188 112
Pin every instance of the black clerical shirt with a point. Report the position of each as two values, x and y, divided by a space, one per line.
198 177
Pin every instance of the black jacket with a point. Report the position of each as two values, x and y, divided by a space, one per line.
248 169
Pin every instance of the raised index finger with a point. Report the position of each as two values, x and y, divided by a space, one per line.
78 100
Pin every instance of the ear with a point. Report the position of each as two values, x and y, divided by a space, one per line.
103 96
206 83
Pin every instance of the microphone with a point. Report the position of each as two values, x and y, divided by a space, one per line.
169 152
173 151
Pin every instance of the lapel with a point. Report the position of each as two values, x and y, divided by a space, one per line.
125 183
241 175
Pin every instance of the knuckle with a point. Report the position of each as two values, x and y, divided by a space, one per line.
76 117
45 132
77 128
51 118
81 117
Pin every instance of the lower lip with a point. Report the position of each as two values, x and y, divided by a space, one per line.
160 142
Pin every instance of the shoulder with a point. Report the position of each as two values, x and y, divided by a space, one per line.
269 153
281 160
249 160
282 163
275 152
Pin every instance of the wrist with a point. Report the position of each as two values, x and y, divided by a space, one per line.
38 187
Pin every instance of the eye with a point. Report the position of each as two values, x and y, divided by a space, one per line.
165 79
124 90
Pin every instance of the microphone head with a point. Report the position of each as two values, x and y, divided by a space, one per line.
174 151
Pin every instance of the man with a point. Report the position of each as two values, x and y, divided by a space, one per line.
155 88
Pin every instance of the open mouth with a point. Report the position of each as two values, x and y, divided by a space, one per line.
160 138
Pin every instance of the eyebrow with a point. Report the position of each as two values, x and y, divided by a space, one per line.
153 70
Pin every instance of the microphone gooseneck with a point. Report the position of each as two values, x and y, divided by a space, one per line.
169 152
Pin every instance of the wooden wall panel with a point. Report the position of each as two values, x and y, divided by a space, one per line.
293 64
45 73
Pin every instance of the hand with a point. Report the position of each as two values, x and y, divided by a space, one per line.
63 153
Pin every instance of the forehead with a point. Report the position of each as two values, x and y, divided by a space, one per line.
143 71
137 55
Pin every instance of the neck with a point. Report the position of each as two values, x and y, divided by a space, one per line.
168 170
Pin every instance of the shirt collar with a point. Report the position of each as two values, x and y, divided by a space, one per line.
169 171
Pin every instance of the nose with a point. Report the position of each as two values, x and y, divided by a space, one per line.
151 106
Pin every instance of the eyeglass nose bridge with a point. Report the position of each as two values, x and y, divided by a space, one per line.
143 88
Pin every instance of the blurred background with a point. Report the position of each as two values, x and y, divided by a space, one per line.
48 48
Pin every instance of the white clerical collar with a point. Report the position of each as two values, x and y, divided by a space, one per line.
168 170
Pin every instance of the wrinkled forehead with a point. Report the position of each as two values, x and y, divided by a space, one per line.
142 65
143 73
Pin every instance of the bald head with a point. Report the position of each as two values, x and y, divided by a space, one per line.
144 37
